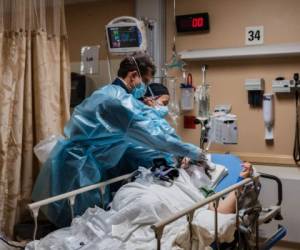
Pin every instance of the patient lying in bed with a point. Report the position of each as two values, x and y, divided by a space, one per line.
228 204
138 205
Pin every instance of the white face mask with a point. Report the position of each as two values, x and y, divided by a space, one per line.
162 110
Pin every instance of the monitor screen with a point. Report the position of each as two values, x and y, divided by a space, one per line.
124 37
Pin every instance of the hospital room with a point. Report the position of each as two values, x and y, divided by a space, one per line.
149 124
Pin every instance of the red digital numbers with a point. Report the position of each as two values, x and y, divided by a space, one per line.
198 22
192 23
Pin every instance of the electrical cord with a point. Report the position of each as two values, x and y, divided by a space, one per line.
296 153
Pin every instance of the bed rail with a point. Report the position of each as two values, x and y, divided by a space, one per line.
189 212
158 227
35 207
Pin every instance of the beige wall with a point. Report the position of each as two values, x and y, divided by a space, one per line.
86 23
228 20
86 26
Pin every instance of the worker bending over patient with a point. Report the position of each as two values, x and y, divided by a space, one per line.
106 131
156 94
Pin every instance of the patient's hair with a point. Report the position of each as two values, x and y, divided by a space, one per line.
157 89
143 61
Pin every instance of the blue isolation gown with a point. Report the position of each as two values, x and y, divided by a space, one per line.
109 134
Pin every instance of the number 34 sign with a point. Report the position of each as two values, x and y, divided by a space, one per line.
254 35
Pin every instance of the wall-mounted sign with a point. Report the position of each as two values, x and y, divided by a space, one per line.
192 23
89 59
254 35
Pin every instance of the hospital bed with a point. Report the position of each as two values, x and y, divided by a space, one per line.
231 183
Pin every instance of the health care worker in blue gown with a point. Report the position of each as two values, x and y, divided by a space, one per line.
110 132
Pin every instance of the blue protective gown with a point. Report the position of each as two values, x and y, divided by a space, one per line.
109 134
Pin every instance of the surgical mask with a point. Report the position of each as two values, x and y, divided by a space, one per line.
139 91
162 110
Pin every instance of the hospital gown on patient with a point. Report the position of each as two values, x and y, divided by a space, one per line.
110 133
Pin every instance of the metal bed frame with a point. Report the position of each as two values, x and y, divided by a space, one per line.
158 228
189 212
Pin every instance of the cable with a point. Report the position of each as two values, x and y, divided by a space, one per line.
296 153
10 244
109 67
108 57
174 25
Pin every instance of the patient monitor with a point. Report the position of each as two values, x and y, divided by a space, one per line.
126 34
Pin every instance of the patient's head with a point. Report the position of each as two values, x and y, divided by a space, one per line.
160 94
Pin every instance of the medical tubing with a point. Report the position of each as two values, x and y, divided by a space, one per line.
174 22
150 90
296 152
108 57
109 67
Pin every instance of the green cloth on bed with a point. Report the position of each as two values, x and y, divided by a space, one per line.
207 191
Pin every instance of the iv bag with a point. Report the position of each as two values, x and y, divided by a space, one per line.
202 98
173 103
187 99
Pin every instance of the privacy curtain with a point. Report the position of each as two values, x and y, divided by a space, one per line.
34 95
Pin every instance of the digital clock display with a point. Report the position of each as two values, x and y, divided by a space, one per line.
193 22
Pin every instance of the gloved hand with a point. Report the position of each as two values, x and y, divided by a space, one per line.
185 162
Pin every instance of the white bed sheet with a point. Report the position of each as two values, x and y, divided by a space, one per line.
135 207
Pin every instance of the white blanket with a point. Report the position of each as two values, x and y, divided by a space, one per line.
135 207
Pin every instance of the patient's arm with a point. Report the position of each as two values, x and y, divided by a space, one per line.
227 205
